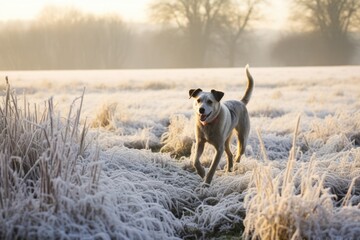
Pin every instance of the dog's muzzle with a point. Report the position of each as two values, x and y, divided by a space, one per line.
203 117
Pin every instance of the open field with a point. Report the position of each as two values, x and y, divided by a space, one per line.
128 173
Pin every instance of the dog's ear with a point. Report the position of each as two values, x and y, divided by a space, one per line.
194 92
217 94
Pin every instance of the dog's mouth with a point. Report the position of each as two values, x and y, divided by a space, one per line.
203 117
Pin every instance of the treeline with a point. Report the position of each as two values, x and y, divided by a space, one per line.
309 48
65 38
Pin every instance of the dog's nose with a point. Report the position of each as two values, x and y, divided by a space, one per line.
201 110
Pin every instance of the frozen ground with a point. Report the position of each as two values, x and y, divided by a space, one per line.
141 130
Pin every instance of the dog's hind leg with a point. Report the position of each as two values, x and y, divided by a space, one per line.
241 145
199 148
229 155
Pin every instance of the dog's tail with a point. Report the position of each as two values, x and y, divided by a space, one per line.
250 85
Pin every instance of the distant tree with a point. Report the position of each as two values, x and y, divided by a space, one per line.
332 20
200 21
234 21
195 18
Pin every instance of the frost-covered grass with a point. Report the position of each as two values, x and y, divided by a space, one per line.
115 162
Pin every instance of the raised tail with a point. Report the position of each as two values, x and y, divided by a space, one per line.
250 85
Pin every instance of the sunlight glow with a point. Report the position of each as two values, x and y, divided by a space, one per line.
133 11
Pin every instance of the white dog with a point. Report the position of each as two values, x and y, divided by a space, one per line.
215 123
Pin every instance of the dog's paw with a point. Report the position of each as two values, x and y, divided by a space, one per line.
205 185
228 169
208 179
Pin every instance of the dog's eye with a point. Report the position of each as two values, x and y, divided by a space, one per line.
198 100
209 102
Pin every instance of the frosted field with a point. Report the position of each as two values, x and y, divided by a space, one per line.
129 176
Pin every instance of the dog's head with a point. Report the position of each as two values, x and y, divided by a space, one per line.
206 104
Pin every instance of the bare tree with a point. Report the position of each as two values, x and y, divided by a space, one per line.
333 20
331 17
199 21
234 21
195 18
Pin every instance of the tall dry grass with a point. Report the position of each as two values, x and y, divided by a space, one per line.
41 175
302 202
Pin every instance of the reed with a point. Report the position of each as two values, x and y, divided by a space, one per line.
302 201
38 150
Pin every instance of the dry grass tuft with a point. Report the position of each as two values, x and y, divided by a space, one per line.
105 116
176 140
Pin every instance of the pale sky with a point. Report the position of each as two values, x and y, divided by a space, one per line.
132 10
129 10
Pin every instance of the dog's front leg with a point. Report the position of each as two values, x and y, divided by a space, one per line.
199 149
214 164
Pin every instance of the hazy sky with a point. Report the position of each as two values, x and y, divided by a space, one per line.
130 10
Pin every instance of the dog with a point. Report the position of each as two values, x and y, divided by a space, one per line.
215 123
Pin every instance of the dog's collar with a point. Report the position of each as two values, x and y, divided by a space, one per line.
215 120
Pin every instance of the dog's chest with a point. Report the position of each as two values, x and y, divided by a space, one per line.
209 133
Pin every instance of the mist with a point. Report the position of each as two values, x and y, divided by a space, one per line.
67 38
88 153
